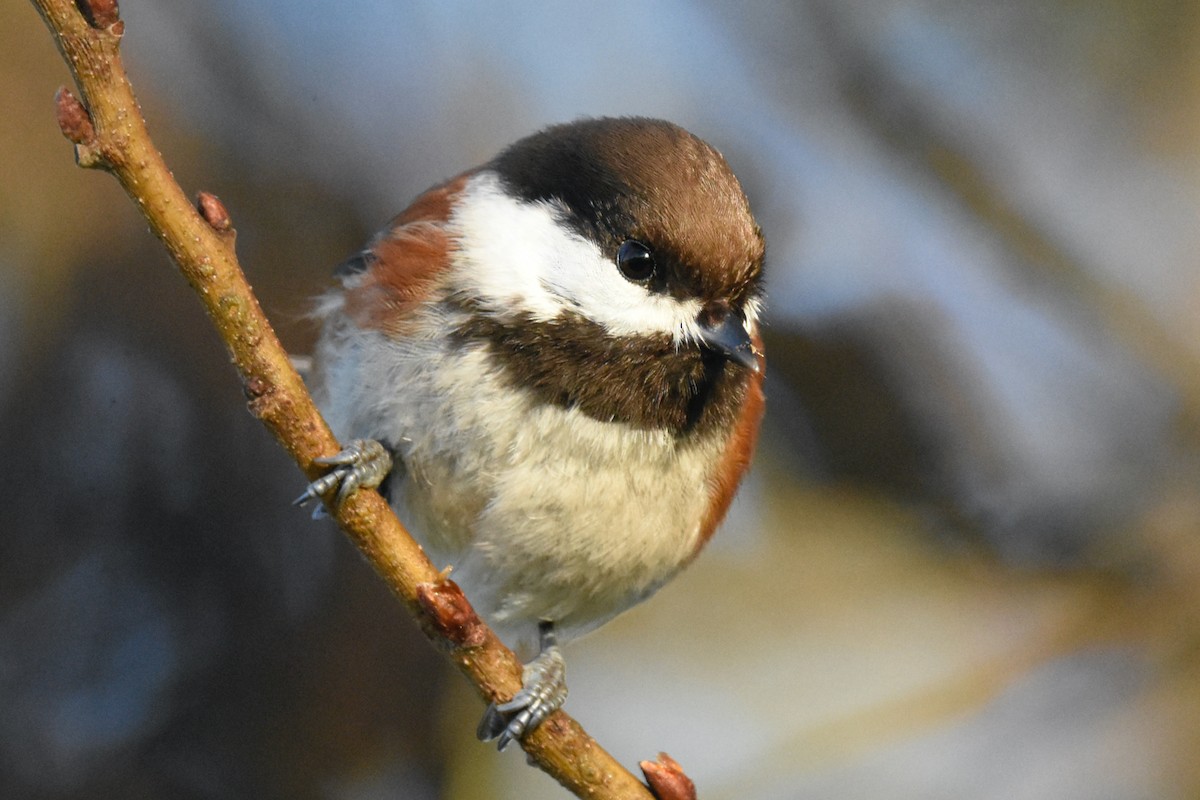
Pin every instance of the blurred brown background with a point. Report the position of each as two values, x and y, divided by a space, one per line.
966 562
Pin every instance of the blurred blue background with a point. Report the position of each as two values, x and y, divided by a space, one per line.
965 564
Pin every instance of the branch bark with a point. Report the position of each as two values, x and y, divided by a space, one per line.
109 132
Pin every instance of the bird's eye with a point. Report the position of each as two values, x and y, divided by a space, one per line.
635 261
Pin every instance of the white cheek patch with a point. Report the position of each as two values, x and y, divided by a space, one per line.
516 257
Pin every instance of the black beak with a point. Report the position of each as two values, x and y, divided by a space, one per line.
728 336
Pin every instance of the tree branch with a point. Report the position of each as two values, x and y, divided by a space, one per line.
110 133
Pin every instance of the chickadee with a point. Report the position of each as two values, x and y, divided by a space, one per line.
551 367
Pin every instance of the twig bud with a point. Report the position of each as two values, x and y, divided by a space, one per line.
214 212
450 613
667 780
73 119
102 15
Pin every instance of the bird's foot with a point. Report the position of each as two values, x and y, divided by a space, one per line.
543 693
363 464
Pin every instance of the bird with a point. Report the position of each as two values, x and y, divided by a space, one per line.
551 366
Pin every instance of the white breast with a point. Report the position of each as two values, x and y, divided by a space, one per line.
543 512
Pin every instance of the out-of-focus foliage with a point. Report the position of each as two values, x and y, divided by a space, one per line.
964 566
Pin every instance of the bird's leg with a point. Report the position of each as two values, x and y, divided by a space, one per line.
544 690
364 463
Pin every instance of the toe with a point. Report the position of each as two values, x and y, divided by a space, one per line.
364 463
544 691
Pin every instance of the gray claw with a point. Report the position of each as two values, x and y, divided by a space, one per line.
543 693
363 464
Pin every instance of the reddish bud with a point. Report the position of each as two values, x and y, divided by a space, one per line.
667 780
101 14
450 613
214 212
255 387
73 118
259 396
